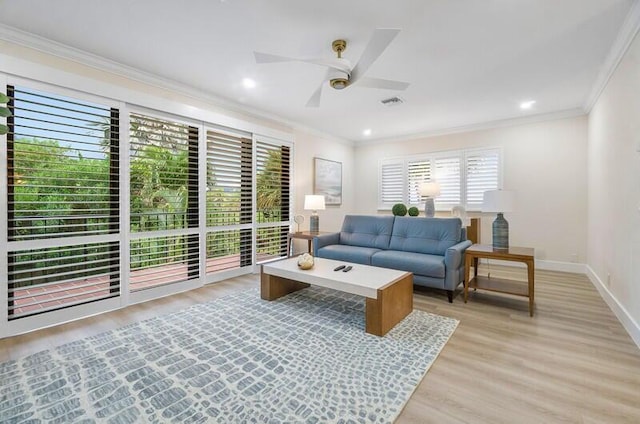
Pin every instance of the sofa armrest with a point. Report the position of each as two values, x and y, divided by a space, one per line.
454 256
325 240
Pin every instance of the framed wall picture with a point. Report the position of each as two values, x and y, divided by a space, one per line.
328 180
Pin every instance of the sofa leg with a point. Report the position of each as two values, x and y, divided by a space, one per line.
450 295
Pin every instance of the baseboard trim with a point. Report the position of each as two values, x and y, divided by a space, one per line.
575 268
545 265
616 307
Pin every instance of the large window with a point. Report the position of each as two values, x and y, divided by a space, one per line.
189 204
463 175
273 169
62 202
163 201
229 201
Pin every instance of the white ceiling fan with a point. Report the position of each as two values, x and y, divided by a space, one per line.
340 73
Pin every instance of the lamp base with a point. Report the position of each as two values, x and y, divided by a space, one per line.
500 233
429 208
314 223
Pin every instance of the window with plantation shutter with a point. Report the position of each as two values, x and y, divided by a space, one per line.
193 202
229 202
273 170
483 173
62 201
418 171
391 181
448 175
163 201
463 175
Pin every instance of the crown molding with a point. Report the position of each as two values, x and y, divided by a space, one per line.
507 122
63 51
625 37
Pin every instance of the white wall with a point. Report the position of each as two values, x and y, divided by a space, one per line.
613 255
545 163
309 146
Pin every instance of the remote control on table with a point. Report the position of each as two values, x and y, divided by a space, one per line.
347 269
338 268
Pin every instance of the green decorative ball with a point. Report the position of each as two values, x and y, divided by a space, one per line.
413 211
399 209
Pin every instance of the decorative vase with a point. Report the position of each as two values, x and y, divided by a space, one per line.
500 233
314 223
429 208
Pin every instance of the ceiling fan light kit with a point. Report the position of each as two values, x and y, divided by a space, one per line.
340 74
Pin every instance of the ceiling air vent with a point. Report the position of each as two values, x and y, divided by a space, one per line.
392 101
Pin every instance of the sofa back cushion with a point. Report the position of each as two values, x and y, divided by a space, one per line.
425 235
367 231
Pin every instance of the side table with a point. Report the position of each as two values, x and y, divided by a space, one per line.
502 285
303 235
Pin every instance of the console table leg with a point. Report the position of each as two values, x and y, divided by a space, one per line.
531 279
467 276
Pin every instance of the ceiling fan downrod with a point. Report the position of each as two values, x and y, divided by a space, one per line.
339 83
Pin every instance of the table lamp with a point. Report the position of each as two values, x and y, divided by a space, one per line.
499 201
430 190
314 203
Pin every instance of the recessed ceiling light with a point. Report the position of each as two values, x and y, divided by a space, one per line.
366 132
528 104
248 83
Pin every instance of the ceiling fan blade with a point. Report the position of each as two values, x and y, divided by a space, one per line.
382 83
314 100
381 38
272 58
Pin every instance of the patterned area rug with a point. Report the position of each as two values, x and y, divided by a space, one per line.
239 359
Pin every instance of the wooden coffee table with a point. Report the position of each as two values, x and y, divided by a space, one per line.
388 292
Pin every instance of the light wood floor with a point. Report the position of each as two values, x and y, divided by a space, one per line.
572 362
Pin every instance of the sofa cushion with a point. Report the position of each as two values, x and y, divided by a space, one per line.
425 235
367 231
355 254
418 263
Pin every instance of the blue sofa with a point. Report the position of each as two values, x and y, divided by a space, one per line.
431 248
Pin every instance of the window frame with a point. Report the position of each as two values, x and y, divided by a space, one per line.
72 311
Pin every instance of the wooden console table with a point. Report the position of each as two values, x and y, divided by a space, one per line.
502 285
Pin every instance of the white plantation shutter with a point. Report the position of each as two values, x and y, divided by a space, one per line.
418 171
392 183
164 198
63 167
447 174
273 193
62 202
229 201
463 176
483 173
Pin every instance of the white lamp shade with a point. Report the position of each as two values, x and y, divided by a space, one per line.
430 189
313 202
498 201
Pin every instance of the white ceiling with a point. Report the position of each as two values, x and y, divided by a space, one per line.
468 61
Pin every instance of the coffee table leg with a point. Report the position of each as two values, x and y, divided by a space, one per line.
394 302
272 287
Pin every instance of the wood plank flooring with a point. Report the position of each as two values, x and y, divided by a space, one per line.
571 363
